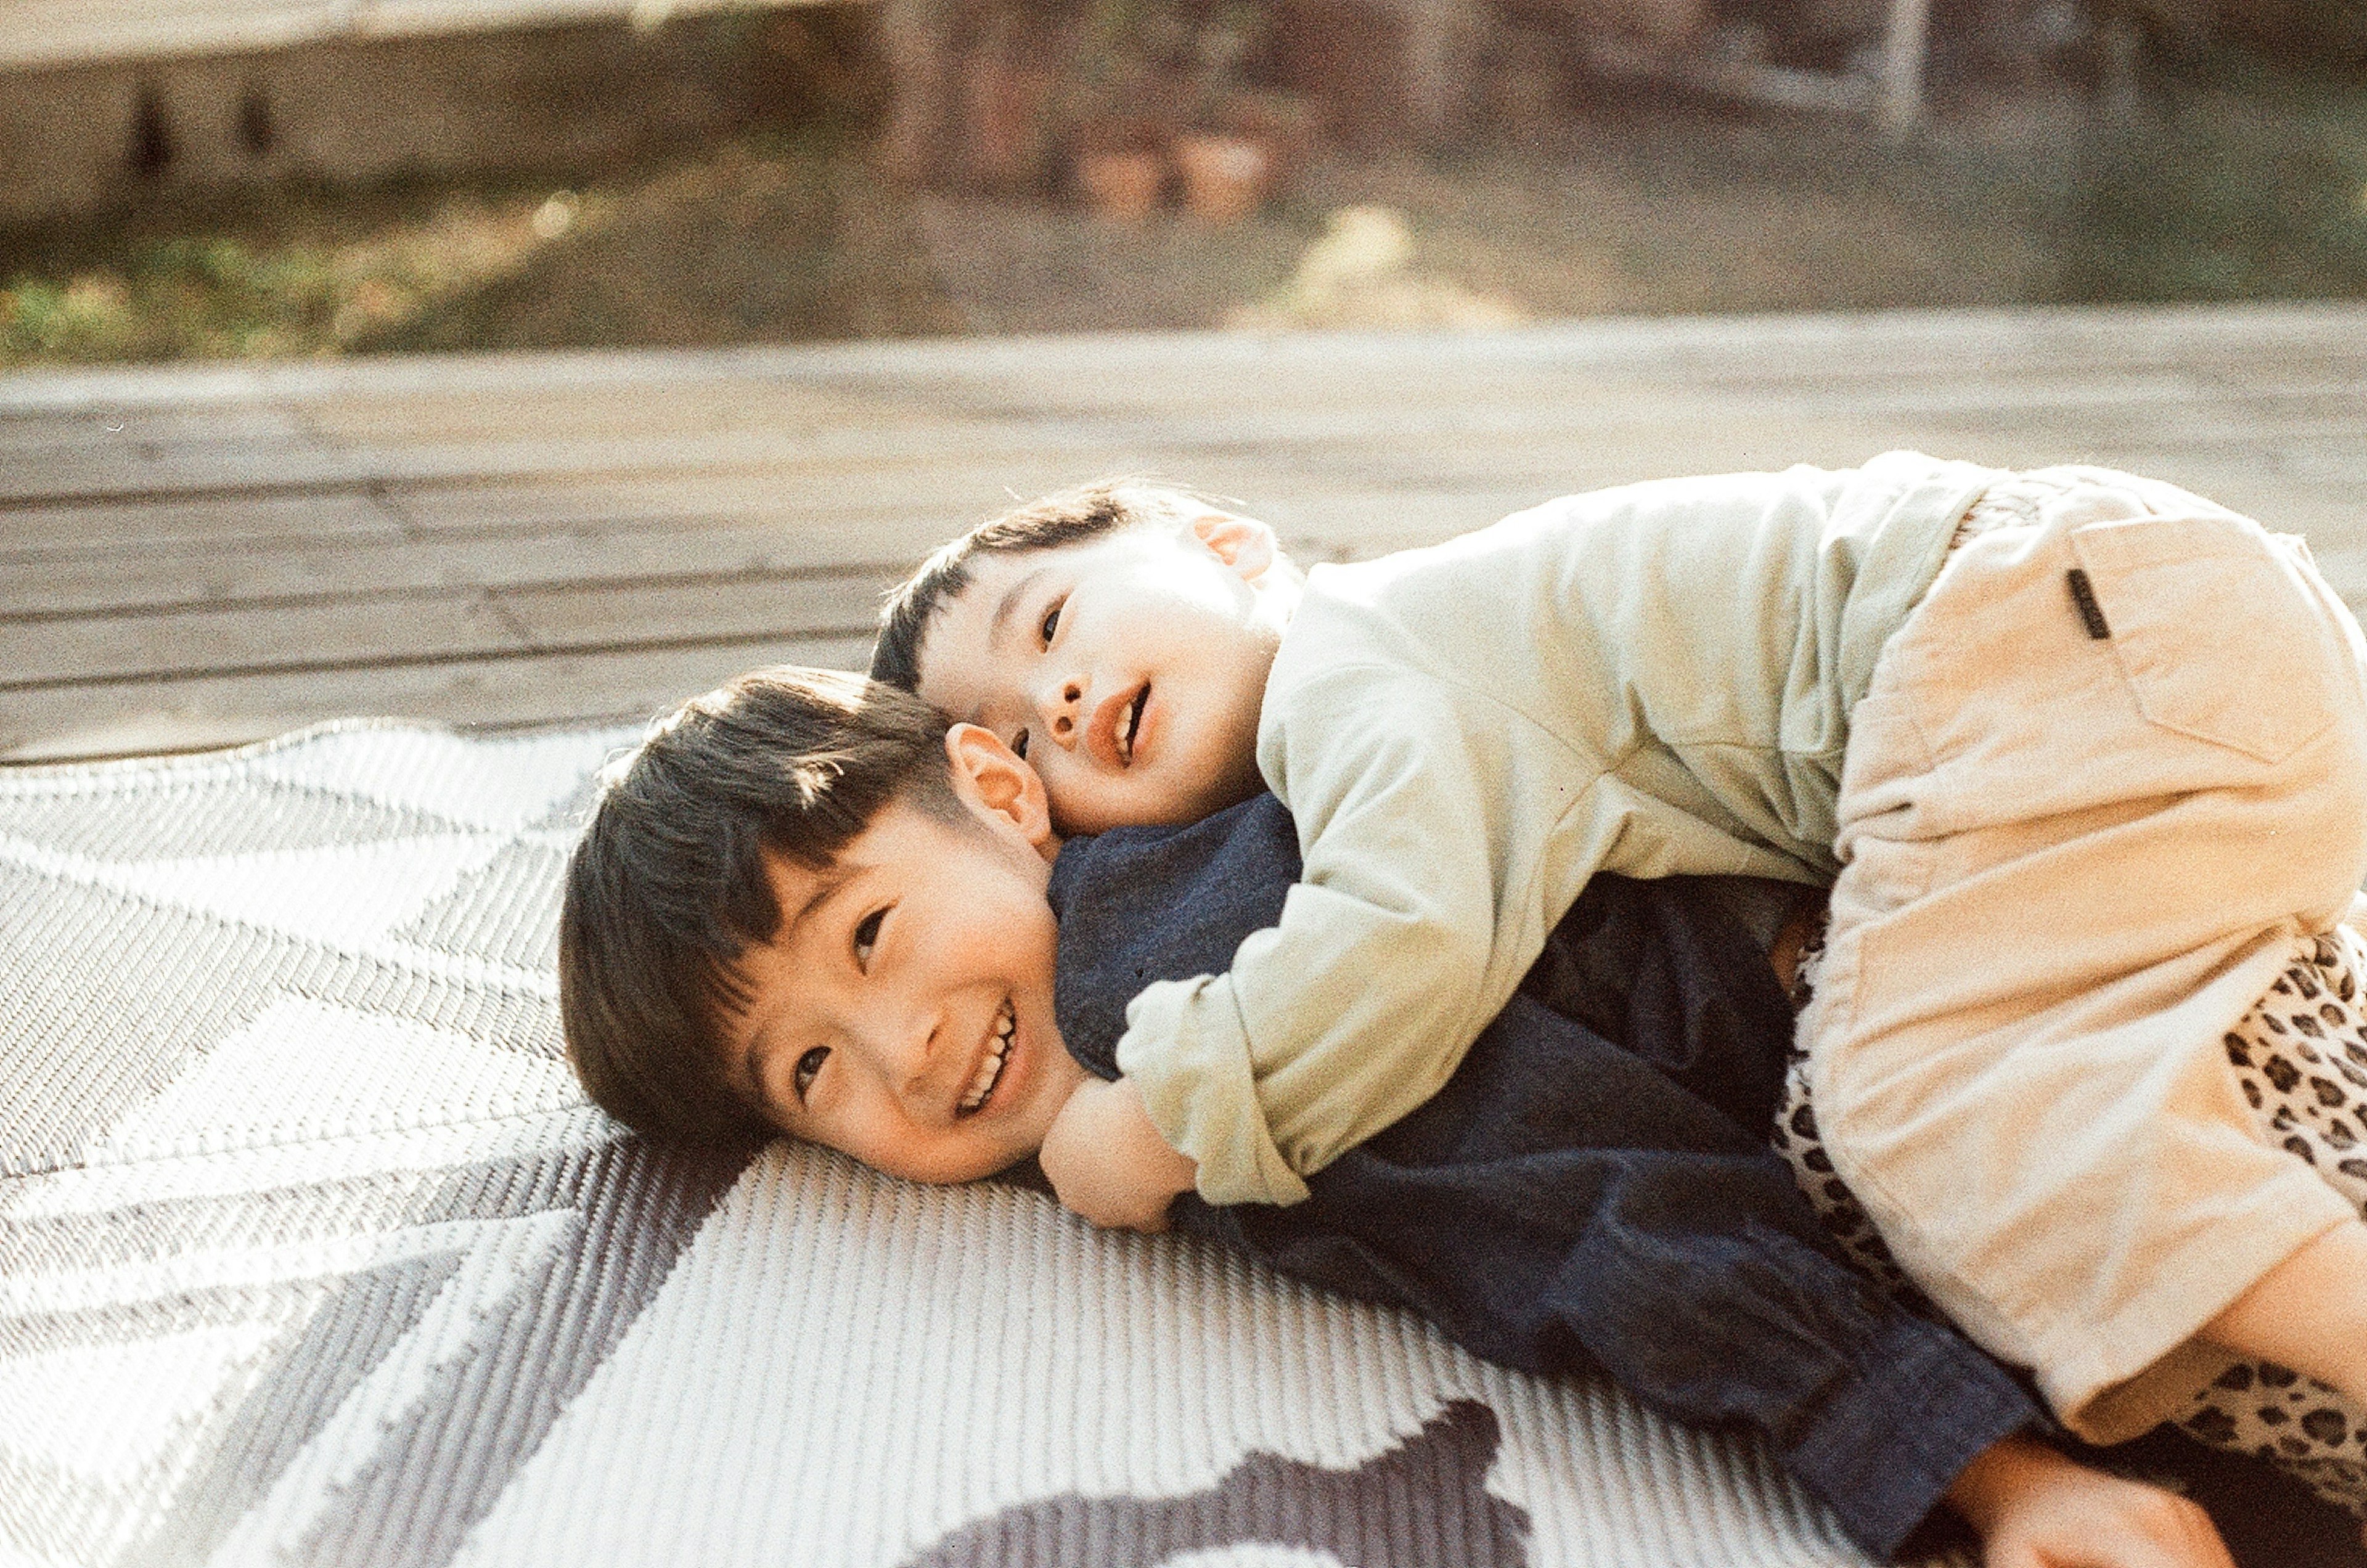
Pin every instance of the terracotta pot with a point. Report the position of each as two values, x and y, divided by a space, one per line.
1124 184
1225 177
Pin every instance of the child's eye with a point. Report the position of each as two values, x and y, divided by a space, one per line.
867 936
1019 745
808 1068
1051 620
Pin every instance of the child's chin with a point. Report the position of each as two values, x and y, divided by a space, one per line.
953 1172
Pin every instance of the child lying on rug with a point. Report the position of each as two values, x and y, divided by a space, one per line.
804 904
2082 757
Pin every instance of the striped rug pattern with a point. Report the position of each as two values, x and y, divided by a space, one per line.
312 1253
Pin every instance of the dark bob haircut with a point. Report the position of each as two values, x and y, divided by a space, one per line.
669 885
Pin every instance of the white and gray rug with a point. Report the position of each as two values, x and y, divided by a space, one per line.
310 1252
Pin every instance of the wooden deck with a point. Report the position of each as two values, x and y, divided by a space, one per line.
195 557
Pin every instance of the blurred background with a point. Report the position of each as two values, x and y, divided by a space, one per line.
302 178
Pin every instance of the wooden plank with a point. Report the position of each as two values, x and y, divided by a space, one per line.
200 574
428 623
38 437
31 536
899 514
208 578
432 417
181 471
465 441
91 649
520 509
583 616
2191 399
1444 368
828 459
178 468
1247 364
222 550
106 720
1709 441
935 498
281 468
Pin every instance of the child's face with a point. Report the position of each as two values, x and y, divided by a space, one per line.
1127 669
903 1012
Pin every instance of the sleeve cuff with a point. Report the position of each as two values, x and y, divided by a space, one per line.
1884 1476
1188 1056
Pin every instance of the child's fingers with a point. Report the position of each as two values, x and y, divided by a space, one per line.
2144 1529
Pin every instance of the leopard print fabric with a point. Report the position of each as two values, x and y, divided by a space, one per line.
2300 1057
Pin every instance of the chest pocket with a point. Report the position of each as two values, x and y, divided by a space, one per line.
2218 629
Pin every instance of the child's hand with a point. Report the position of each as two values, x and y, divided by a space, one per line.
1107 1161
2035 1508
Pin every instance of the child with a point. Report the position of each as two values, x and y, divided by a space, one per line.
803 906
2083 757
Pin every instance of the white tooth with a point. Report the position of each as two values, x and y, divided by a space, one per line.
991 1069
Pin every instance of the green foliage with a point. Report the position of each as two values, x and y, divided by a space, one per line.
2225 195
222 287
718 247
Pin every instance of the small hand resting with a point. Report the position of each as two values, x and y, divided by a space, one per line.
1107 1161
2035 1508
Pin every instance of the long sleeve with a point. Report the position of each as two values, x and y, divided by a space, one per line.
1653 681
1356 1005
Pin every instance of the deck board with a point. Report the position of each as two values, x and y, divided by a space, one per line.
280 572
205 555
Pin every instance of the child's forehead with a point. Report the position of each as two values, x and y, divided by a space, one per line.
999 581
994 572
887 842
907 848
969 624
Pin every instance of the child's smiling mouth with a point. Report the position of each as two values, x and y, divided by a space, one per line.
1116 725
1128 720
990 1067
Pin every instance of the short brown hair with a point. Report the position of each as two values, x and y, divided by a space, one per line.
670 884
1064 517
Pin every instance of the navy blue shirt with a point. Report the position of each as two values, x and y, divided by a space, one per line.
1592 1188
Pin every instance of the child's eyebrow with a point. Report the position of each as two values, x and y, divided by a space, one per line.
1017 591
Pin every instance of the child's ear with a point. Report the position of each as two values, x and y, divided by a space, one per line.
996 782
1244 543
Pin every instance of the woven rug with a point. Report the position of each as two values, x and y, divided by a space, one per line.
310 1252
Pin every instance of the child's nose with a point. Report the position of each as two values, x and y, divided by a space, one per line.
1062 718
901 1053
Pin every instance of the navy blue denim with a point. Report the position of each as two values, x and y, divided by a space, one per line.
1592 1188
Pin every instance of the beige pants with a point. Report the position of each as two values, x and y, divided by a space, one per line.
2082 821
